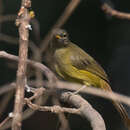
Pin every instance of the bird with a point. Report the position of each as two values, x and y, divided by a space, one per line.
73 64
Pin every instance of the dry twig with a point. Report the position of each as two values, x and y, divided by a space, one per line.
53 109
5 101
95 91
23 23
6 88
86 110
7 18
64 85
4 121
64 123
50 75
112 12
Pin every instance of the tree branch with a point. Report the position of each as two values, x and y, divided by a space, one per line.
64 122
74 87
108 10
53 109
7 18
50 75
23 22
86 110
94 91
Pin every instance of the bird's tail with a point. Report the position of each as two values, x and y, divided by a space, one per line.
119 107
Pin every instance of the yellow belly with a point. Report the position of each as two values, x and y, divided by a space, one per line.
81 76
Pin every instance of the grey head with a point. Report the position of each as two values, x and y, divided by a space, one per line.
60 37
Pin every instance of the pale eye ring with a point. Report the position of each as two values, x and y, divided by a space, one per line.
64 35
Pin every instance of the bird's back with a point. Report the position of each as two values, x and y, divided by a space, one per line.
72 60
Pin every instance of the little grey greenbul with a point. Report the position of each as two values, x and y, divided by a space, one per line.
73 64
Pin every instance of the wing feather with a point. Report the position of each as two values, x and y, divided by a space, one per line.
84 61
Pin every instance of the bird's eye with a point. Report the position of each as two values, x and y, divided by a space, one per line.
64 35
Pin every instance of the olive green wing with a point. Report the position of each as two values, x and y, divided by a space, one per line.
81 60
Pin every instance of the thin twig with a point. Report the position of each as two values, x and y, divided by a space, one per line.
6 88
74 87
50 75
11 86
23 19
53 109
112 12
7 18
95 91
4 121
62 118
26 114
5 102
15 40
37 93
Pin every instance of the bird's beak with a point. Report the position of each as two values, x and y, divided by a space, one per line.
58 36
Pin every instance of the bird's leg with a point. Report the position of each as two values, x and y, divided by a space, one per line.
84 86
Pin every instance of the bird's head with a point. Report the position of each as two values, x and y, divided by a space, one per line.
60 36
